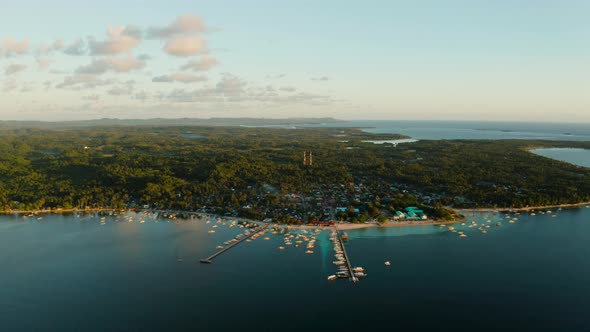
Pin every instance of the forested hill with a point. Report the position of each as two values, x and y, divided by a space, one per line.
165 122
259 172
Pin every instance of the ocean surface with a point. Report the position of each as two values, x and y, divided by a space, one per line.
580 157
78 273
473 130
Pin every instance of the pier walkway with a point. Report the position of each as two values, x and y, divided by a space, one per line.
256 230
351 275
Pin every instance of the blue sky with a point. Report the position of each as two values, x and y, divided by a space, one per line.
445 60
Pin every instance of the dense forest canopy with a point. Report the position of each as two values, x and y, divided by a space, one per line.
259 172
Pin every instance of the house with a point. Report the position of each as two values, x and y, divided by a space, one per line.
415 214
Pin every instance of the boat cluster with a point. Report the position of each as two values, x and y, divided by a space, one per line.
343 269
485 225
304 237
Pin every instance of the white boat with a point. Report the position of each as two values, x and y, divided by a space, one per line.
387 263
360 274
281 248
358 269
309 252
332 277
211 231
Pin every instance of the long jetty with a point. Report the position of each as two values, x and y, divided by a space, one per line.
257 230
351 275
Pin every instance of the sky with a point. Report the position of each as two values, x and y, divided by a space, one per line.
495 60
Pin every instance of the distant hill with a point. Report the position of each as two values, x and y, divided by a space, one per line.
107 122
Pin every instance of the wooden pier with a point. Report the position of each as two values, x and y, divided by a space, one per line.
351 275
257 230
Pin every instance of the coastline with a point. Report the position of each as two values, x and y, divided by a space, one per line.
528 208
340 226
59 211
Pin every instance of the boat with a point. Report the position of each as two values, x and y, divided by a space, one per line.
358 269
309 252
338 262
344 236
342 274
281 248
219 247
266 238
211 231
360 274
387 263
332 277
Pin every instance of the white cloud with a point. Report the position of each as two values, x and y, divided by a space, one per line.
276 77
80 82
14 69
231 85
141 96
202 64
9 85
186 46
10 47
57 45
92 97
77 47
121 90
233 89
179 77
43 64
287 89
185 24
119 40
320 79
101 66
145 57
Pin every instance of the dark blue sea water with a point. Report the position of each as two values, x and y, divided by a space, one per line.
68 273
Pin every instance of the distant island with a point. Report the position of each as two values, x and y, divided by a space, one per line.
106 122
297 176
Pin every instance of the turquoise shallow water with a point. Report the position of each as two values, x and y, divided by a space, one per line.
69 274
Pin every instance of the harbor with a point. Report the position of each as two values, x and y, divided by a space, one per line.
243 238
345 267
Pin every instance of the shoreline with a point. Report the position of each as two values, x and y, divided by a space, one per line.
340 226
528 208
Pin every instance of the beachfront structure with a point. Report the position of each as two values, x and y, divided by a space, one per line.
399 215
413 213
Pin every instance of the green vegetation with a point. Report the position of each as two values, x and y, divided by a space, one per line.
259 173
